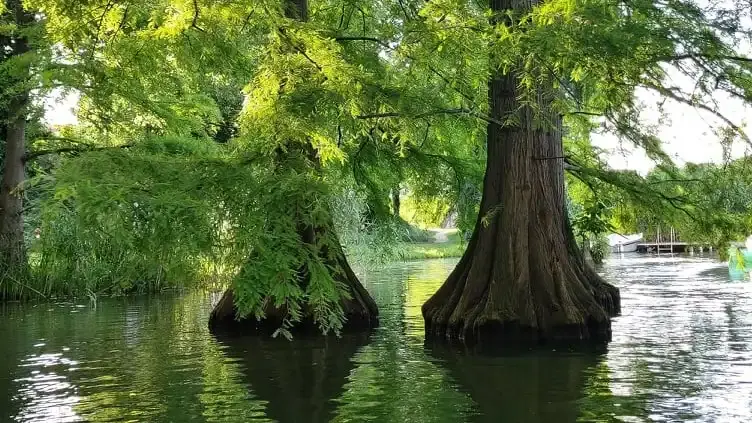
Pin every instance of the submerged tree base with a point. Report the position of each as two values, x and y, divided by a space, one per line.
225 319
500 333
522 280
569 318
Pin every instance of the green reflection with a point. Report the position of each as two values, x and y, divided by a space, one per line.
142 359
521 387
422 282
298 380
600 404
395 381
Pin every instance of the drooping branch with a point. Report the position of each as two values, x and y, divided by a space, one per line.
707 57
456 111
196 11
36 154
358 38
416 116
637 190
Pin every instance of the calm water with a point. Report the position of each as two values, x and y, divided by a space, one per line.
682 351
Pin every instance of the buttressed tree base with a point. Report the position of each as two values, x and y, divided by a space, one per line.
360 311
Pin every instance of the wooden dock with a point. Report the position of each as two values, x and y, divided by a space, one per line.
671 247
670 243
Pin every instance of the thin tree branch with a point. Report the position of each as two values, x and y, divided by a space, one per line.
457 111
583 113
301 51
247 20
411 57
194 23
358 38
707 56
36 154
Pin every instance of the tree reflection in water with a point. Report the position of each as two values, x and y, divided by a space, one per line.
526 386
299 380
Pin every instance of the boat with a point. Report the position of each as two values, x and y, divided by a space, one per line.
624 243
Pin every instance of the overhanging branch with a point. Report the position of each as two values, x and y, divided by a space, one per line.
36 154
458 111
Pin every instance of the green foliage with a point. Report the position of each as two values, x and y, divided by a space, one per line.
428 213
599 248
454 246
713 201
150 237
180 208
592 220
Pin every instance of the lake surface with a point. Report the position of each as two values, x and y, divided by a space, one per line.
682 351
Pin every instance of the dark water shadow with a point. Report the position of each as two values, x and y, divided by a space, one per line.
521 385
298 379
722 273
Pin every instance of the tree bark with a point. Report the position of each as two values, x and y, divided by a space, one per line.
396 201
361 312
359 307
522 277
12 247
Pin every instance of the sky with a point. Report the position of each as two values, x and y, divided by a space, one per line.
688 134
60 109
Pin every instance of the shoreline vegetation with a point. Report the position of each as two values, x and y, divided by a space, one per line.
421 244
446 243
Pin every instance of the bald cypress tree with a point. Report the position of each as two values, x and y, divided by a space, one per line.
348 305
14 52
522 276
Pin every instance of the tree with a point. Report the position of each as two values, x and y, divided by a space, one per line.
711 203
15 72
44 47
363 97
332 294
320 118
576 64
522 276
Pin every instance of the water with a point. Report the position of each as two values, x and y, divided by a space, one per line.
682 351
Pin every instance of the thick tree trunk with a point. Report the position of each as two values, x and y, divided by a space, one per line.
396 201
12 248
359 308
522 277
